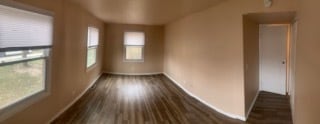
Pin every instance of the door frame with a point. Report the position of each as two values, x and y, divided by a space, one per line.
288 47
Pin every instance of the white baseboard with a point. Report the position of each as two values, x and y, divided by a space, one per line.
74 101
252 104
117 73
204 102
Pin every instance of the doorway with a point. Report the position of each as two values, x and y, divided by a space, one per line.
273 40
269 40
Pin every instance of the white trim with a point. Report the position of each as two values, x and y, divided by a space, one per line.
74 101
252 104
204 102
119 73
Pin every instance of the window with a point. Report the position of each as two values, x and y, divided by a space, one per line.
134 46
25 43
92 45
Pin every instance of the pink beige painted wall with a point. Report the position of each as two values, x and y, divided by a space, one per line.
69 74
114 49
204 52
307 101
251 61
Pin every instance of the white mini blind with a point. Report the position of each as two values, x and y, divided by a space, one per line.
134 38
93 37
24 29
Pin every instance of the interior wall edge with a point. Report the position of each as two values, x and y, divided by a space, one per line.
195 12
188 39
252 104
204 102
251 62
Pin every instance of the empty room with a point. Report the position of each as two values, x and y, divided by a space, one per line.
159 62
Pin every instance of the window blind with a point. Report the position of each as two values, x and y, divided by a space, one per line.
93 37
134 38
20 29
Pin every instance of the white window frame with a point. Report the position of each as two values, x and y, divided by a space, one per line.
125 49
93 47
27 101
95 63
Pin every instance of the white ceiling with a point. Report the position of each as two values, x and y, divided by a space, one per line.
148 12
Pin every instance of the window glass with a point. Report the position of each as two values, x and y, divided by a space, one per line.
13 56
92 45
22 74
92 56
134 52
134 44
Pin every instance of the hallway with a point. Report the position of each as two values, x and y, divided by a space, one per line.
271 108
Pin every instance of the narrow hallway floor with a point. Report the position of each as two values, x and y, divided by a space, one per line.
271 108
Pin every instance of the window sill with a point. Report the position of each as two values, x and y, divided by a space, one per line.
90 68
22 104
133 61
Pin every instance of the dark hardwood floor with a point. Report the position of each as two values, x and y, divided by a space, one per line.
117 99
271 108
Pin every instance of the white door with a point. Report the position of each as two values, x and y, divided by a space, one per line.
273 40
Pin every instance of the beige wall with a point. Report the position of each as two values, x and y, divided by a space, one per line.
307 101
292 64
114 52
204 52
69 74
251 61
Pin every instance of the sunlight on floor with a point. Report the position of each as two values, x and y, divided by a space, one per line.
133 91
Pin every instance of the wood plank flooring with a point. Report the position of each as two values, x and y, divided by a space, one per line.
271 108
117 99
